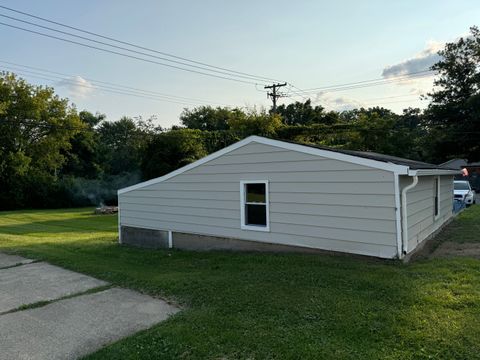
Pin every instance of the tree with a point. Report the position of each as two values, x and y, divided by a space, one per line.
171 150
36 127
255 122
82 157
453 114
299 113
206 118
121 144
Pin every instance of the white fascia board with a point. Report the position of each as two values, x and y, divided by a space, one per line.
429 172
400 169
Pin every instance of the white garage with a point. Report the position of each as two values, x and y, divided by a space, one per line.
262 194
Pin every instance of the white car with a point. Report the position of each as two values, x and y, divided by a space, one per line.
463 191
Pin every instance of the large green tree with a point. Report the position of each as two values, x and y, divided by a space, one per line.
171 150
453 116
206 118
36 127
82 159
299 113
255 122
121 144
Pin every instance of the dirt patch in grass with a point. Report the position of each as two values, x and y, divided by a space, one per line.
449 249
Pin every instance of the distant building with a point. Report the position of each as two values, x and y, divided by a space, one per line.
473 170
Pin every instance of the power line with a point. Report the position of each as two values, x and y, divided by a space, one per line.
406 76
115 86
300 92
126 49
104 88
125 55
135 45
391 97
391 102
366 83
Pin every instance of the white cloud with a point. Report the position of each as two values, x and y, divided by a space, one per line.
337 103
420 62
77 86
423 82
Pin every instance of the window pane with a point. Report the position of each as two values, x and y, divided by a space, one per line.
461 186
255 193
256 215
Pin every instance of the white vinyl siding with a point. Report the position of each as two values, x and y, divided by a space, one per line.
313 201
422 221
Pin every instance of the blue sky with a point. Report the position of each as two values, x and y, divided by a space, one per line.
307 43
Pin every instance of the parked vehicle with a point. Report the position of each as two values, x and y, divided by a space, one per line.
463 191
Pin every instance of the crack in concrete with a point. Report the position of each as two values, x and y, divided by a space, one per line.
46 302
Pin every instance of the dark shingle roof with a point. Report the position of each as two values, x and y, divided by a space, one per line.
412 164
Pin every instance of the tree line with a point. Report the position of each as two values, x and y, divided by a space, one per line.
52 155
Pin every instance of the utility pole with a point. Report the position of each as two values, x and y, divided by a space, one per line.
274 94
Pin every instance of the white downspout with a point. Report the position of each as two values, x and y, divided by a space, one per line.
398 216
405 214
119 224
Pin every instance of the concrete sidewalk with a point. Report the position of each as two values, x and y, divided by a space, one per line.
31 283
72 327
12 260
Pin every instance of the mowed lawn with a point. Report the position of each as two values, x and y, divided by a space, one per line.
268 306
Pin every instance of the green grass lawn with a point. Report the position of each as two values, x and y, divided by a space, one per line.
266 306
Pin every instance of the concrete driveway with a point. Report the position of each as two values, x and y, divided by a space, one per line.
47 312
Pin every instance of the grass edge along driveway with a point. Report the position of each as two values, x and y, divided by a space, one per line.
262 306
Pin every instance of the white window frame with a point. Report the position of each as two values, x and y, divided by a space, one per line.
243 202
438 187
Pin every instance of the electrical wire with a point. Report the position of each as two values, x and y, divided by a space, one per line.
14 68
136 45
103 88
371 82
125 49
126 55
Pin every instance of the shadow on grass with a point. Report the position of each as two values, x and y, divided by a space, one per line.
83 224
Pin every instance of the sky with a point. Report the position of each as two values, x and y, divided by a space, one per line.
309 44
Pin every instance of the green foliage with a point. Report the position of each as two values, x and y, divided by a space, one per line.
170 150
454 110
254 122
36 127
299 113
82 159
206 118
120 145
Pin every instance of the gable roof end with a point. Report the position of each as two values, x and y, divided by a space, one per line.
373 160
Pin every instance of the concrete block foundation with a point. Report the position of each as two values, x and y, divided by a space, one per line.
146 238
158 239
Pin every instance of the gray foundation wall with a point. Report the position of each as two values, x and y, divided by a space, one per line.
158 239
196 242
146 238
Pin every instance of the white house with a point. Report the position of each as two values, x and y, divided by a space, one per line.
264 194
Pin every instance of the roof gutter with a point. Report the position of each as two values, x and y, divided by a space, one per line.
405 214
427 172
